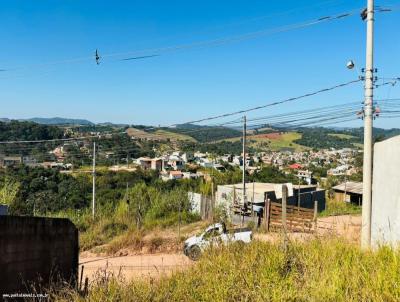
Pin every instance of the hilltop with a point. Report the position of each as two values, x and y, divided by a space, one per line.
190 137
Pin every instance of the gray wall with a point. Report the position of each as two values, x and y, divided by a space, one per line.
385 228
3 209
32 247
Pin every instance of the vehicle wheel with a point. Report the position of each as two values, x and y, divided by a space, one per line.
194 253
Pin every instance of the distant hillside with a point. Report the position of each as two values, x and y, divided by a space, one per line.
59 121
272 140
159 134
16 130
204 134
321 138
300 138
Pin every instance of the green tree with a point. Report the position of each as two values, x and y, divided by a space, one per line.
9 191
139 202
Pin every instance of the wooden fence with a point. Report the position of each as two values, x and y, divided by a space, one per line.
298 219
280 216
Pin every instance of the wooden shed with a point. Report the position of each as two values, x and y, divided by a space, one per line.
349 191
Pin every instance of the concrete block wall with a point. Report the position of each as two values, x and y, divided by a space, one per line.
33 246
385 219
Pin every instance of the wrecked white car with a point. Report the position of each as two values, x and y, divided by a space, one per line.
215 234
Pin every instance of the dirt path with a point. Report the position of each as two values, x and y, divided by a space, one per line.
156 265
345 226
129 267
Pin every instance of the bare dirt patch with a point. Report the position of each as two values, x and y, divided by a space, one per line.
130 267
344 226
275 135
161 252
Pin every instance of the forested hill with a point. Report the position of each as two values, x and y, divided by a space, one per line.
204 134
15 130
60 121
321 138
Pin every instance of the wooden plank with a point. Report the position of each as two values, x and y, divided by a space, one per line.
305 217
292 211
296 221
305 214
267 211
278 205
275 218
284 203
301 216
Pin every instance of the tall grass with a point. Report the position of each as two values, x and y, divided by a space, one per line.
121 225
334 207
317 270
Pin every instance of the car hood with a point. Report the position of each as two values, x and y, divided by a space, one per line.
192 241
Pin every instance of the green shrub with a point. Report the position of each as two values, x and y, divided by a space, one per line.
148 208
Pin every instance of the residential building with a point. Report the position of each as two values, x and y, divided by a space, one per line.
171 175
305 175
10 161
157 164
144 162
349 191
175 162
230 196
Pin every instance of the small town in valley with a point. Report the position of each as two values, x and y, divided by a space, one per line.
213 151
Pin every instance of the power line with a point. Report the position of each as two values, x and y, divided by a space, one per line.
154 52
242 37
272 104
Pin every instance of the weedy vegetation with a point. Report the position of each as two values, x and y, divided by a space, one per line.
144 208
334 207
325 269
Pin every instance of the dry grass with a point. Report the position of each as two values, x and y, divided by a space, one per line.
326 269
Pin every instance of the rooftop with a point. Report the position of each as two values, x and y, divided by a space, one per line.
350 187
175 173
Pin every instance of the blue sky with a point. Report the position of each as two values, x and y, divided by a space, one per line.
41 39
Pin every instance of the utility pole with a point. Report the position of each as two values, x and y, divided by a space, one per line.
244 163
94 179
368 112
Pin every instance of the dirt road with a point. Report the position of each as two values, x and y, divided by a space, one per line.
129 267
157 265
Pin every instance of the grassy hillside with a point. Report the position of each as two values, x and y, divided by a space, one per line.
269 138
174 136
286 140
272 141
161 134
316 270
342 135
